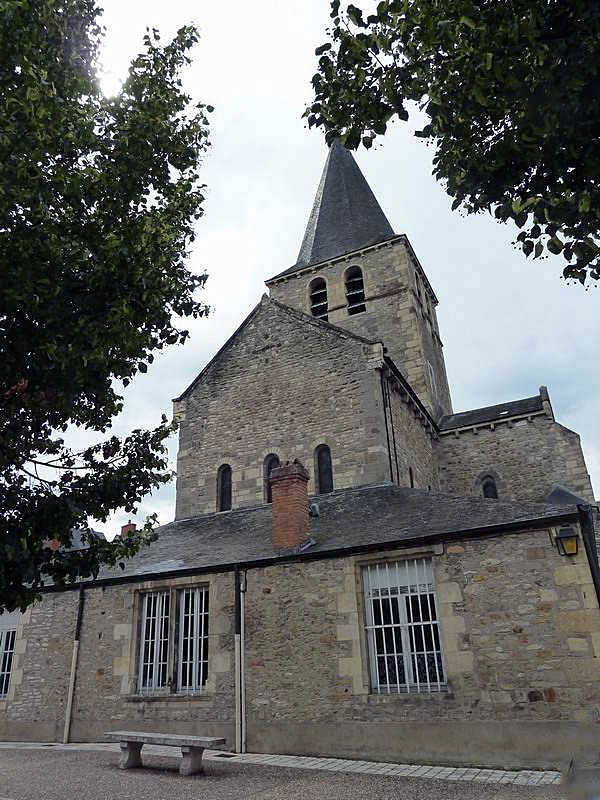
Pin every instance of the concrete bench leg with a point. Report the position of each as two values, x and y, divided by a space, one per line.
192 760
131 755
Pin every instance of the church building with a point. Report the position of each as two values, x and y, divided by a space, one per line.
354 569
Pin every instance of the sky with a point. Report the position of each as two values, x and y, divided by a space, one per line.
508 324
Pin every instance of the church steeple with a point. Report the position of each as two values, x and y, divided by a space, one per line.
345 215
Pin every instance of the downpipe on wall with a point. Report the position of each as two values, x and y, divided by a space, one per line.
240 658
73 674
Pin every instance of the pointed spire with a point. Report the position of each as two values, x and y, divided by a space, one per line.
345 215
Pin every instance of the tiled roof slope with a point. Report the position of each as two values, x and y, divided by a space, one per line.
345 215
528 405
366 517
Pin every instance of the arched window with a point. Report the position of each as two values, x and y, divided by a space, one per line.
489 488
224 488
324 469
411 477
270 462
355 291
318 298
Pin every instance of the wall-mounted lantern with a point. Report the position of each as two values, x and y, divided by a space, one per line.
567 541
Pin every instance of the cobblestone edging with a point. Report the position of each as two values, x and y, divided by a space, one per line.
518 778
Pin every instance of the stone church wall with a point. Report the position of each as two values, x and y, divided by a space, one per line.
520 629
395 313
411 445
284 387
528 458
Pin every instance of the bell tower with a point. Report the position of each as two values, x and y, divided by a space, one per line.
355 272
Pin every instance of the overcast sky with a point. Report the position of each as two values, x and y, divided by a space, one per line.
508 324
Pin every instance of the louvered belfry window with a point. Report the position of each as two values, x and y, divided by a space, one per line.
318 299
404 646
355 291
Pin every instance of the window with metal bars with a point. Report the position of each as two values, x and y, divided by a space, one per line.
317 292
403 636
8 635
193 640
154 644
355 291
167 650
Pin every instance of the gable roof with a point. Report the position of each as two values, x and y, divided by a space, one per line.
515 408
298 316
345 215
350 520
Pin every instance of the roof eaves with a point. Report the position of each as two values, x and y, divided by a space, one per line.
525 523
299 268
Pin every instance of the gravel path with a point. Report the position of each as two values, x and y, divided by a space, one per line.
76 775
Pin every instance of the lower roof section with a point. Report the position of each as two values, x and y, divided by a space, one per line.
349 520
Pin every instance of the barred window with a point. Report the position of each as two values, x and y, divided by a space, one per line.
8 635
402 627
193 639
154 641
168 650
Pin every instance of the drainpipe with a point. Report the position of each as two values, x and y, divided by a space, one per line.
240 661
586 520
71 689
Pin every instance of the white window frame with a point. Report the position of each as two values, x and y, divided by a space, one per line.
400 644
173 640
8 636
154 642
192 667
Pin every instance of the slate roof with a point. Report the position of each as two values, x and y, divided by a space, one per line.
345 215
528 405
369 517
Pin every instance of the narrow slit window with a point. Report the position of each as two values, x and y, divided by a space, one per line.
193 640
405 652
411 477
154 644
355 291
224 488
8 635
489 488
318 299
324 469
271 463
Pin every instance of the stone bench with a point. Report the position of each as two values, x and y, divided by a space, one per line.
192 748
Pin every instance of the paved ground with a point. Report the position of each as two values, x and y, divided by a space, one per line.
72 774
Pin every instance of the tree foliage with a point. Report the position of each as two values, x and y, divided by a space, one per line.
511 91
98 200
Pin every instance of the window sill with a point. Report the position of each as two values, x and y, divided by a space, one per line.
398 697
167 698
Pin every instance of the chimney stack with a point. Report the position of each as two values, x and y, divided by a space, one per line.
127 529
290 505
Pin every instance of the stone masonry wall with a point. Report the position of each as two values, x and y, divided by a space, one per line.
528 458
400 312
285 386
520 630
411 445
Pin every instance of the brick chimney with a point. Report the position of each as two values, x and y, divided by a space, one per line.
127 529
290 505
